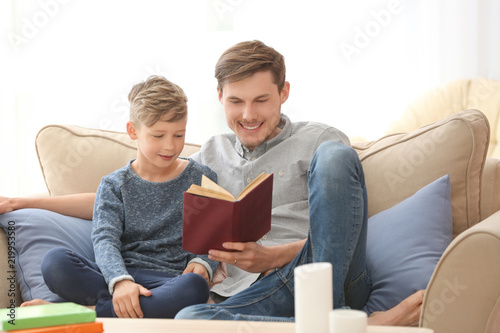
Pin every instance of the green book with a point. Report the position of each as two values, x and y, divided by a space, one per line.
17 318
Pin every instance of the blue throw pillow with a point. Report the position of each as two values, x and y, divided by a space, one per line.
35 231
405 243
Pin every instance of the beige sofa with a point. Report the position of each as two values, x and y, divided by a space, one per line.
463 294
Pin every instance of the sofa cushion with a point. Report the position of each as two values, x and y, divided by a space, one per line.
74 159
470 93
490 190
405 243
398 165
36 231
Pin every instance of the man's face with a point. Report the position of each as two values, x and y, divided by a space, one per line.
253 108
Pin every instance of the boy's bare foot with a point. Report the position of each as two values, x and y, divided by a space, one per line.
35 301
406 313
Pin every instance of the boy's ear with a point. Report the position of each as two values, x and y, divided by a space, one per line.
131 130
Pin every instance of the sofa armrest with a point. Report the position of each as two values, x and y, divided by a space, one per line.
490 187
10 292
463 293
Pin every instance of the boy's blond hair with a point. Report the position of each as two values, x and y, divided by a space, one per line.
247 58
157 99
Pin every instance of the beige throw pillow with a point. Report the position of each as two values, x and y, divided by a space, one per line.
398 165
74 159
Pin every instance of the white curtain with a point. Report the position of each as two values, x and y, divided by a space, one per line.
353 65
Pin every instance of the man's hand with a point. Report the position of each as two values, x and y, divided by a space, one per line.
197 268
255 258
6 205
126 299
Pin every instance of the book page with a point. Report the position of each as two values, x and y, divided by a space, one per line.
259 179
211 185
210 189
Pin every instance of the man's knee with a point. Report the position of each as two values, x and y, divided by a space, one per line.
332 155
335 151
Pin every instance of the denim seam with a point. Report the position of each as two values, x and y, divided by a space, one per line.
263 297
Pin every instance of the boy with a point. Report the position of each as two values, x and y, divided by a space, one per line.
141 269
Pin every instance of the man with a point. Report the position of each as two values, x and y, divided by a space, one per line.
319 198
319 194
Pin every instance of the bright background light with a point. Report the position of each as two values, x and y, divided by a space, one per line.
354 65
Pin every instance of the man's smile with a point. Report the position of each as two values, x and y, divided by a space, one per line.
251 127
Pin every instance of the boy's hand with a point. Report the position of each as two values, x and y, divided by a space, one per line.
126 299
198 269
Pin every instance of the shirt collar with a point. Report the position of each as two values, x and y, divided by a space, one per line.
286 130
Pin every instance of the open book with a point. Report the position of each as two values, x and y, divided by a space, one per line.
212 215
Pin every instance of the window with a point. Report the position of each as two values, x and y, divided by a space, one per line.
353 65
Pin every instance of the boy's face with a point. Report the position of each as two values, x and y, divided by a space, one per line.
159 145
253 108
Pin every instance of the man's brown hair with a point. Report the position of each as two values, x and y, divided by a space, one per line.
157 99
247 58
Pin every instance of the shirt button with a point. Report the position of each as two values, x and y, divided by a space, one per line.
264 237
249 180
281 173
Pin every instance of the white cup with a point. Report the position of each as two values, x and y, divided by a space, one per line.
348 321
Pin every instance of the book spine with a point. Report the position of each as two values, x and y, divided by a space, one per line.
45 321
94 327
236 221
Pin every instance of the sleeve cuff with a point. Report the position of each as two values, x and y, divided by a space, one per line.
111 285
205 264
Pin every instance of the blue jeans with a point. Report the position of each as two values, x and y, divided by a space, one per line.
77 279
338 228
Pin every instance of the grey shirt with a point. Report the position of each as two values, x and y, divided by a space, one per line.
288 156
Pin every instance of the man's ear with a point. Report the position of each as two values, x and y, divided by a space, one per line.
131 130
219 94
285 92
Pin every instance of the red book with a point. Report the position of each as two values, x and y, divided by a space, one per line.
212 216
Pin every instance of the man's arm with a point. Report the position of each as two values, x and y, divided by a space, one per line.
256 258
77 205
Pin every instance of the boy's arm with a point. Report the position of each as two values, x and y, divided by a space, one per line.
78 205
202 261
126 299
200 269
107 230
